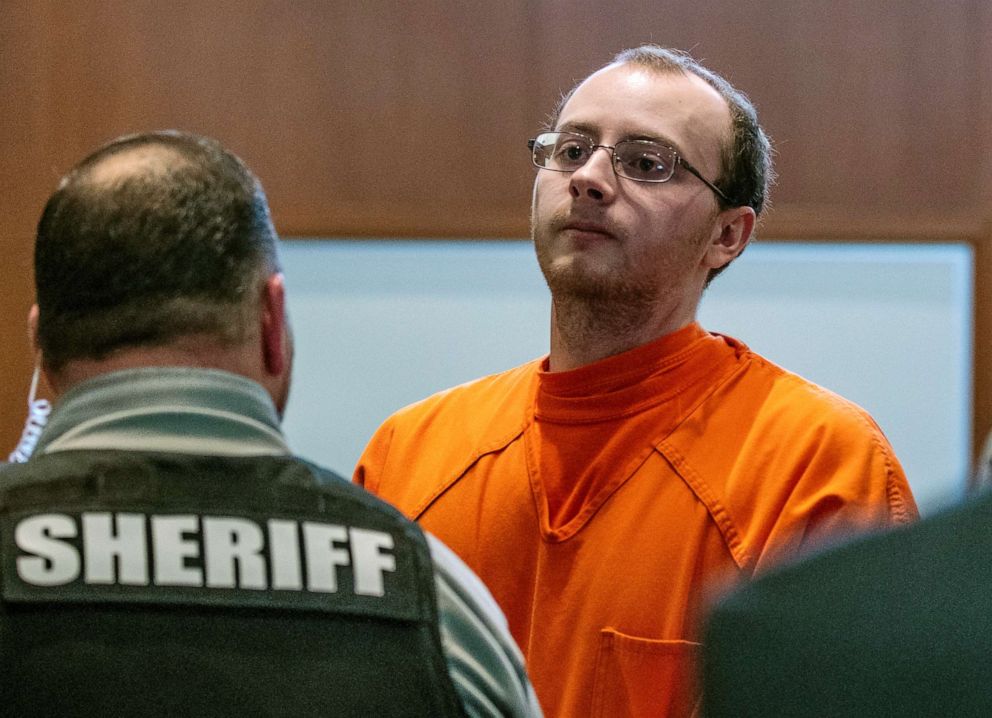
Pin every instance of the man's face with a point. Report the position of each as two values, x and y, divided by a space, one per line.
603 236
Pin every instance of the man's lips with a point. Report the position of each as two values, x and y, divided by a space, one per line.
588 228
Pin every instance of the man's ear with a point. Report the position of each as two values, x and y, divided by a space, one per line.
275 336
730 236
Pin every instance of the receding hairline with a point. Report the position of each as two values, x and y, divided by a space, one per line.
148 160
660 68
746 152
661 71
720 103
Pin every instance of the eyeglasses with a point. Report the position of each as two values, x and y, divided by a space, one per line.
638 160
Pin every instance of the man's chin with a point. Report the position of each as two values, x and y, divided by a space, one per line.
578 277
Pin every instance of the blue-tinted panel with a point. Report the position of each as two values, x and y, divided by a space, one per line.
382 324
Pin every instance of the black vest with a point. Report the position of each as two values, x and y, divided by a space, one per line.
153 584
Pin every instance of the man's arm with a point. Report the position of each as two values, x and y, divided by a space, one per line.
484 663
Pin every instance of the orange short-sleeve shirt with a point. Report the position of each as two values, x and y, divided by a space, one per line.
604 507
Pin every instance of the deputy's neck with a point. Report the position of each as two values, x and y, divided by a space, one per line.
192 351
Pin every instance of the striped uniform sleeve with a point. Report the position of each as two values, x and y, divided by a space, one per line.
485 664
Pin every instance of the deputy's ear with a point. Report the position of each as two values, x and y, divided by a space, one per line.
274 330
50 378
33 332
33 327
730 236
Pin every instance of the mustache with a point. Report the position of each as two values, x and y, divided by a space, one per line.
584 220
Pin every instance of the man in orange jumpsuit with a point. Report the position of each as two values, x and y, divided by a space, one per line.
605 492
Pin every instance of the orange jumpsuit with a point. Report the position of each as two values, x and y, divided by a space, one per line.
605 506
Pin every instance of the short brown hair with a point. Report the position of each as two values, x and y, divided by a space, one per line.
746 172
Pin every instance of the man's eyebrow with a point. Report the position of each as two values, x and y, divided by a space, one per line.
592 132
579 128
657 139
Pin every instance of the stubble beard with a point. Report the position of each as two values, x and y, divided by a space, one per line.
619 304
592 300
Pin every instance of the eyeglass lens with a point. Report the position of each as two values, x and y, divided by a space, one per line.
639 160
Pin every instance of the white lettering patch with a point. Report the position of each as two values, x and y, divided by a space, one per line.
214 552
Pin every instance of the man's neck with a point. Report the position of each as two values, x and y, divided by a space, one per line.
583 332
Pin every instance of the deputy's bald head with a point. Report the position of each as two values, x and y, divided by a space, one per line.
149 238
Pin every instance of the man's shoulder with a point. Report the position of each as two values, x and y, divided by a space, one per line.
326 481
758 402
474 403
789 399
783 463
425 446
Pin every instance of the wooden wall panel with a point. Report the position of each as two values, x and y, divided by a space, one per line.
982 154
26 176
365 119
866 102
361 118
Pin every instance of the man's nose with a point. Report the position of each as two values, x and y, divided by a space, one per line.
596 179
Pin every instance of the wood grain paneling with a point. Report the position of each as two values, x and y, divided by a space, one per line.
360 117
27 174
409 119
982 155
871 105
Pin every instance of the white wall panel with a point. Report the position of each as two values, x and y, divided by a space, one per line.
382 324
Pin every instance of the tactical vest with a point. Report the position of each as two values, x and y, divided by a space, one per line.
165 584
